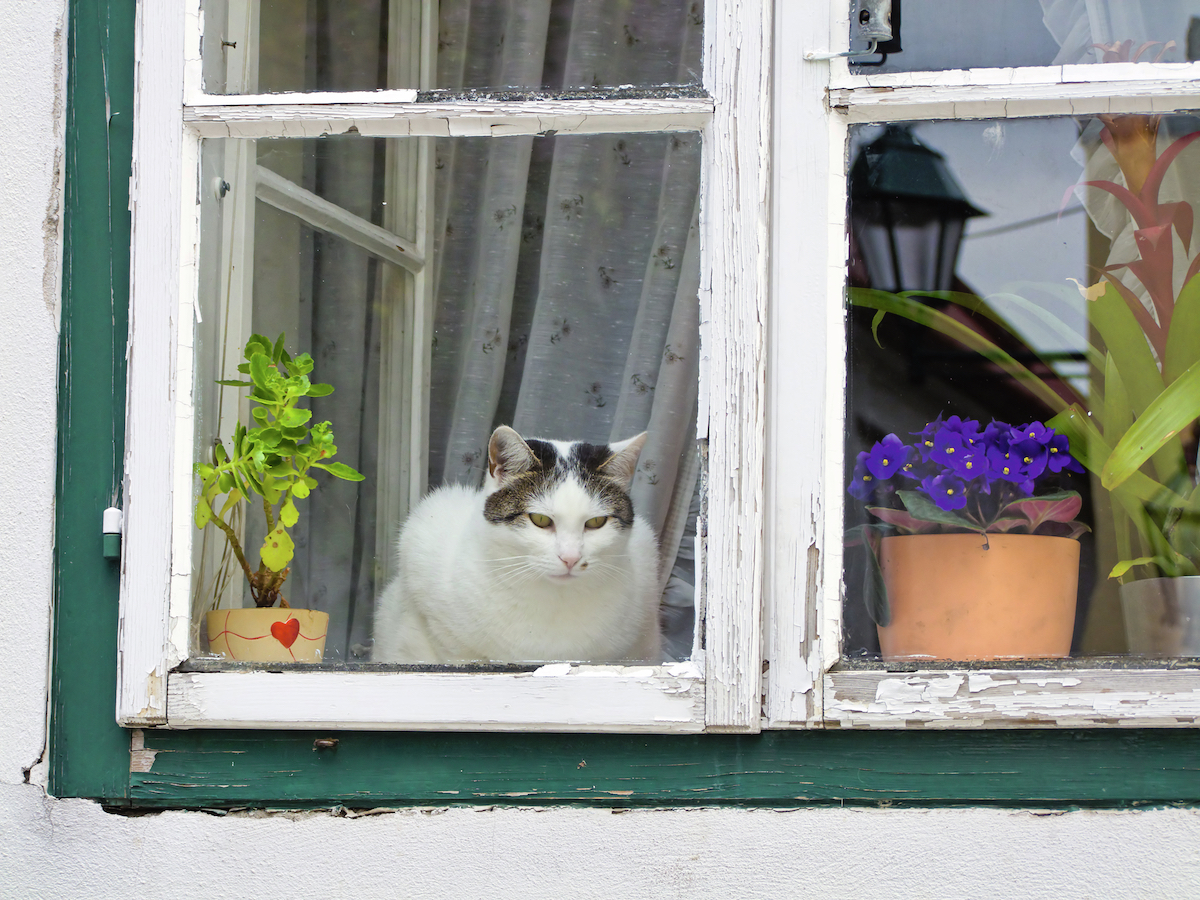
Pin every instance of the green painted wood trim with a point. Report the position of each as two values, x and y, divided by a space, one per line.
89 754
1099 767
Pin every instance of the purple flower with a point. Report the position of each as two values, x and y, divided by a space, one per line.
972 465
1058 455
1035 431
887 456
924 443
862 484
946 490
1031 456
947 445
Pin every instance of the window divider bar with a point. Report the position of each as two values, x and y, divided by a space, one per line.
460 118
1016 100
734 221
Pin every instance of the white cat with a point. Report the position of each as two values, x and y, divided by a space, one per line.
546 561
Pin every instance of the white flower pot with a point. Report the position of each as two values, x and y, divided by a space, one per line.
1162 616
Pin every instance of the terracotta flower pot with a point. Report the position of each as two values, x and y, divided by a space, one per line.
953 599
268 635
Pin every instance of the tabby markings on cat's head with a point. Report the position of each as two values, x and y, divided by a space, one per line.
520 472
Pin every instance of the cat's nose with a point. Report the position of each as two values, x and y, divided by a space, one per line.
569 560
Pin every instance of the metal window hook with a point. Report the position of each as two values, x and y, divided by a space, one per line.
872 23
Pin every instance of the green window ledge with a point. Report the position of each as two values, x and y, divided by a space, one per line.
90 754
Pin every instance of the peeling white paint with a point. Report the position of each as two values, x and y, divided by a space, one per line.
999 698
981 681
915 689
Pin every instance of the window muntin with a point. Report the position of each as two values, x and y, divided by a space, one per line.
481 45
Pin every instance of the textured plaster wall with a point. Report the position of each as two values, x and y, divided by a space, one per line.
72 848
31 76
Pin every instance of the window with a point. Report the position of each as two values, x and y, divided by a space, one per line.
211 767
337 189
1011 131
775 592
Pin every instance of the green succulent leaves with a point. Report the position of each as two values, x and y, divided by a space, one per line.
273 459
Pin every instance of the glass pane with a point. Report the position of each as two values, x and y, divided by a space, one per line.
267 46
444 289
1017 295
950 34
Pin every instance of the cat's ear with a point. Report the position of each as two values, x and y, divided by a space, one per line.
508 455
623 462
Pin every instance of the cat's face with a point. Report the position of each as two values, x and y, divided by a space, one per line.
561 510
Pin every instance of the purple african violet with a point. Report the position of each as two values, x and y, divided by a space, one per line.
958 477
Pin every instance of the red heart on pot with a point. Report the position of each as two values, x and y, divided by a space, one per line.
286 632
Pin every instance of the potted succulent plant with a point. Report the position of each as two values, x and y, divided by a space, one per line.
975 554
275 462
1146 395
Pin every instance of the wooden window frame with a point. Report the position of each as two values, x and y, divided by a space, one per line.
91 756
717 691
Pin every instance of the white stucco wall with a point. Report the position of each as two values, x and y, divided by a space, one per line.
71 848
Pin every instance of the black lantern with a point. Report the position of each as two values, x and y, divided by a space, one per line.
907 213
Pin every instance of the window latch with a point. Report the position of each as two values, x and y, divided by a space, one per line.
872 23
113 521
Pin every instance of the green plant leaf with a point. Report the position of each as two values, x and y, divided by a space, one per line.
1183 340
1173 410
288 514
277 550
203 512
1061 506
225 482
902 519
1125 340
301 365
293 417
1126 564
341 470
237 383
260 414
300 490
231 501
1118 413
926 510
874 589
277 350
939 321
257 344
259 364
1091 449
319 390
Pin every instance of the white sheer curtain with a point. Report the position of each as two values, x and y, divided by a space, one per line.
1080 25
566 272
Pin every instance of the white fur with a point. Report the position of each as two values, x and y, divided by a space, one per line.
469 590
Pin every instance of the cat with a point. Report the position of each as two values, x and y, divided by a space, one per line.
547 561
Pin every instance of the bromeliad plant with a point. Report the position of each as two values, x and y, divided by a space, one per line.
273 460
957 478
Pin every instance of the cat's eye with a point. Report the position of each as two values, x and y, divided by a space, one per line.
595 522
540 520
